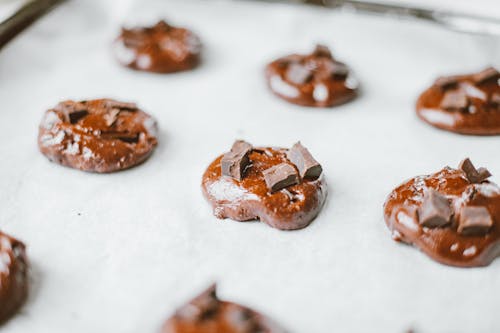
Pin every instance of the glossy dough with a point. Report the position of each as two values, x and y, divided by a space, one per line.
90 144
207 314
480 119
322 90
161 48
13 276
292 208
445 244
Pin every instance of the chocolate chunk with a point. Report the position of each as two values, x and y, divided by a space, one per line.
339 69
280 176
203 306
111 117
112 104
306 164
123 136
474 221
486 75
74 116
435 211
322 51
446 82
234 162
162 25
455 100
298 74
72 111
472 174
242 320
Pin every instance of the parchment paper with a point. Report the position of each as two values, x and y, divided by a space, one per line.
119 252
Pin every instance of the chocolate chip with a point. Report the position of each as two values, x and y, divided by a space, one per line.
72 111
474 221
435 211
162 25
280 176
446 82
298 74
306 164
339 69
455 100
122 136
472 174
242 320
112 104
203 306
322 51
111 117
234 163
486 75
74 116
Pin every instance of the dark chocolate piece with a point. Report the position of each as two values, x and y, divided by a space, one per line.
203 306
322 51
280 176
125 137
486 75
474 221
339 69
72 111
234 162
298 74
446 82
243 320
472 174
112 104
455 100
435 211
111 117
74 116
162 25
99 142
306 164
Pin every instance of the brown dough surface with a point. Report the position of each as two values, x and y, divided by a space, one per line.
102 135
13 276
161 48
445 245
292 208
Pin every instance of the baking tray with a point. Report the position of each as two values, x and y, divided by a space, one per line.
120 252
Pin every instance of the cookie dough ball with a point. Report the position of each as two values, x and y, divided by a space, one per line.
283 188
465 104
161 48
100 135
207 314
315 79
13 276
453 215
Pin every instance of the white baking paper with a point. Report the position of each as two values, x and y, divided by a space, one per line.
119 252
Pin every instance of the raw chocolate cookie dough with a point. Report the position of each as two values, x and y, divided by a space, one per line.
453 215
465 104
316 79
13 276
207 314
284 188
161 48
101 135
